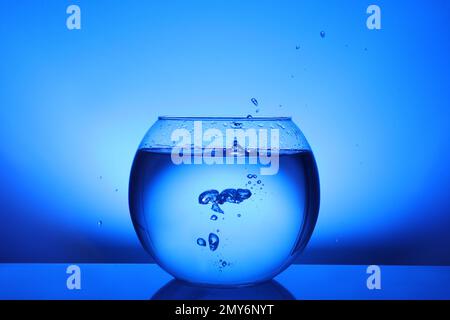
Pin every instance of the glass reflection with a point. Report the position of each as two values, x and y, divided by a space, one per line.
179 290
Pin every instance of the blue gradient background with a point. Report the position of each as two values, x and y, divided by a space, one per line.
374 106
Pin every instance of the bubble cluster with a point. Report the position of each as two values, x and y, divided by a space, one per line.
228 195
255 184
216 198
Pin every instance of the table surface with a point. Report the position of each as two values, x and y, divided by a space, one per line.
148 281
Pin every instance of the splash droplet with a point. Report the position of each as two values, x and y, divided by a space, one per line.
254 101
214 217
249 116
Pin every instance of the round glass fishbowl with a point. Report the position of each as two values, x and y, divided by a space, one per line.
224 201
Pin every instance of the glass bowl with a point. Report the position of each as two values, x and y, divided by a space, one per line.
224 201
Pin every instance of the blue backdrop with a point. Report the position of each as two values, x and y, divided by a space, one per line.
374 105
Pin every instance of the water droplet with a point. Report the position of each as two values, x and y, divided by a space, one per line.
99 223
257 110
224 263
214 217
213 241
322 34
201 242
297 47
249 182
254 101
249 116
238 215
116 190
249 176
258 182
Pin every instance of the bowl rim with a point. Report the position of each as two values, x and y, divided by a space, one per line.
212 118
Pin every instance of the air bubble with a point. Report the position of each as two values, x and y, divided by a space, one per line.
215 207
201 242
208 196
213 241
